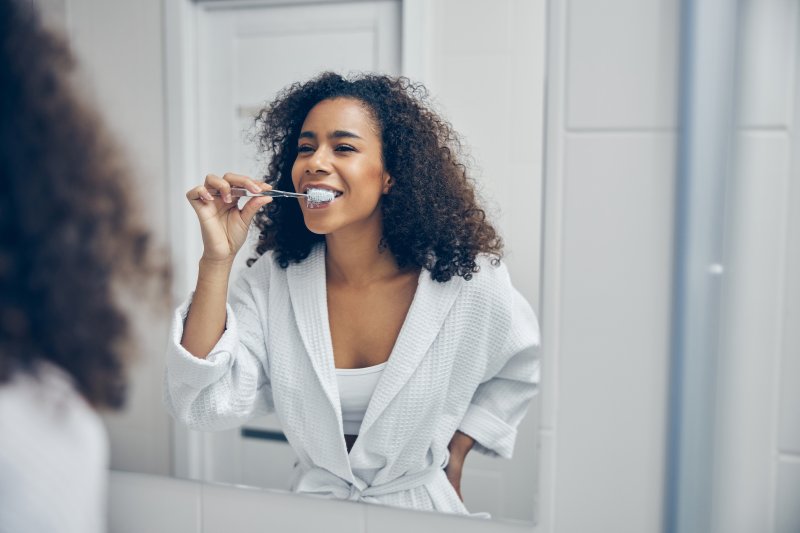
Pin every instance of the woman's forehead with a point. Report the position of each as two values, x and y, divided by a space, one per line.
341 114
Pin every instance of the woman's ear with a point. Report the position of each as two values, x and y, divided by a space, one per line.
388 182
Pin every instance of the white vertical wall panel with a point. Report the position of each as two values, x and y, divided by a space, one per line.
768 55
788 496
789 423
613 361
622 64
757 485
751 325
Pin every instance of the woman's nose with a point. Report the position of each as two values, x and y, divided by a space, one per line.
318 162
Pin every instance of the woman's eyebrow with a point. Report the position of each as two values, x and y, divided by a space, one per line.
338 134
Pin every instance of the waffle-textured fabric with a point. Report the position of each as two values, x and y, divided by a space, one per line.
53 456
466 358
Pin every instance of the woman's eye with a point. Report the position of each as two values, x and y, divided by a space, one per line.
345 148
304 148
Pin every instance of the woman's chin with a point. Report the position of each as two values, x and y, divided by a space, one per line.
314 226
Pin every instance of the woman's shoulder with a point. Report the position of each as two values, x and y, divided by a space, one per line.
54 448
46 402
489 288
262 268
492 275
267 263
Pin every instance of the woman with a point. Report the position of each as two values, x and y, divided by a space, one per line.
381 327
67 234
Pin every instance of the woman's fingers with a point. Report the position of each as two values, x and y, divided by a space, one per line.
199 194
215 183
238 180
217 190
251 208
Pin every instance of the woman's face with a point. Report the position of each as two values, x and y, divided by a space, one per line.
340 149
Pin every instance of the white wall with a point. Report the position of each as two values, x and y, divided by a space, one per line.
485 61
757 482
610 176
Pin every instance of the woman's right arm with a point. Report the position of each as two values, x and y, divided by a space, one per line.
217 368
224 230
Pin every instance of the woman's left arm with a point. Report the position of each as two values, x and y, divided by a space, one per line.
510 381
459 447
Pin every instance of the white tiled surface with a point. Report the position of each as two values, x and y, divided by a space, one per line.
613 362
622 64
141 503
228 509
380 519
769 34
750 334
787 508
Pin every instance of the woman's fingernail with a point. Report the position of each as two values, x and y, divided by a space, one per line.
228 199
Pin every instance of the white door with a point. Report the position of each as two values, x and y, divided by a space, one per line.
245 55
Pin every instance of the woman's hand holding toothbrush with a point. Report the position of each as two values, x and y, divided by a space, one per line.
224 228
222 224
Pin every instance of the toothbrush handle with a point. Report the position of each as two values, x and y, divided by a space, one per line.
238 192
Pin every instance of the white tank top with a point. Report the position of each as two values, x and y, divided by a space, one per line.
356 386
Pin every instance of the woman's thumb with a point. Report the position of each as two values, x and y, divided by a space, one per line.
252 206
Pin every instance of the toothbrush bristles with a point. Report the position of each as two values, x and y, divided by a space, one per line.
320 196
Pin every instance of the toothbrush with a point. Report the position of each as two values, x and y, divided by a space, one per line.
317 196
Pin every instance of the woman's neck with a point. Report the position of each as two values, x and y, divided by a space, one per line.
354 258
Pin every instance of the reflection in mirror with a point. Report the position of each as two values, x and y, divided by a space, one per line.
266 450
222 62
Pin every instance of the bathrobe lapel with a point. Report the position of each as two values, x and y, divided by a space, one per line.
308 291
430 307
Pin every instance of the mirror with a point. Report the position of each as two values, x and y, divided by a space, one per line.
610 437
483 63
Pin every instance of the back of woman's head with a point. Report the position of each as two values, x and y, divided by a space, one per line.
431 217
68 233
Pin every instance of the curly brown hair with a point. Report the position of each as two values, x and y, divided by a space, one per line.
69 237
431 217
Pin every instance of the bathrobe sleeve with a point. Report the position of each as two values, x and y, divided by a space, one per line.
231 385
510 381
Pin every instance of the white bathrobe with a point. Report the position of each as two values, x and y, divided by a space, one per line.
466 359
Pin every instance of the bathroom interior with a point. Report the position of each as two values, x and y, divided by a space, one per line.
641 159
